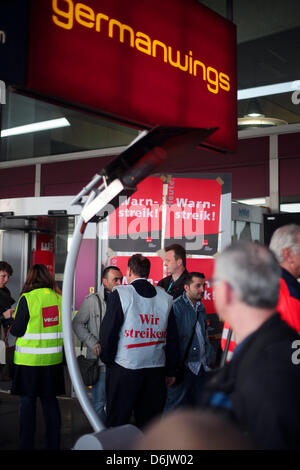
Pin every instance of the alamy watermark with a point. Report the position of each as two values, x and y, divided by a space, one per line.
296 354
146 218
296 93
2 37
2 92
2 84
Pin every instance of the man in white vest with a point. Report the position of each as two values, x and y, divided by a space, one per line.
139 345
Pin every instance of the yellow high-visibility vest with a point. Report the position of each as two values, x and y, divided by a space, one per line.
42 343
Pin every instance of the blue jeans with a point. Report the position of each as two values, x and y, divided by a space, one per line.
99 396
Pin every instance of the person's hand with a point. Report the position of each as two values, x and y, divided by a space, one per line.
96 349
8 313
170 381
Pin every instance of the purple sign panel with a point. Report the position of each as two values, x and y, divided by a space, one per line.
85 271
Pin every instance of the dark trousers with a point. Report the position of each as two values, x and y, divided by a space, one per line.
186 392
194 386
52 420
140 392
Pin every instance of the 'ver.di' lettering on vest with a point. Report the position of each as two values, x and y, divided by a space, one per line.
50 316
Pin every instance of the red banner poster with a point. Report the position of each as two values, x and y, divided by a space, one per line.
135 226
156 271
193 213
45 257
44 253
45 242
205 266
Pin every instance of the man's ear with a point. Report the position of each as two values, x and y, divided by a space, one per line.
286 253
128 271
229 294
186 287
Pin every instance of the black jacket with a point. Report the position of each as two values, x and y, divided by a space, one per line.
6 302
260 387
114 319
175 289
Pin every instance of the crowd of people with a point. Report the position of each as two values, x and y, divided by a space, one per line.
155 356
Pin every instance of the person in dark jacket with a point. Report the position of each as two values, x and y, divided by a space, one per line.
38 369
195 348
139 345
285 243
6 301
175 262
6 320
259 389
87 324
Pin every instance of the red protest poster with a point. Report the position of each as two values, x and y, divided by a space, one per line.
45 257
156 270
135 226
44 252
45 242
193 213
205 266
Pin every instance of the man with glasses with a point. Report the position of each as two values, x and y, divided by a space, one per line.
285 243
259 388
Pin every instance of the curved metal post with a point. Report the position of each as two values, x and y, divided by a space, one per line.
67 291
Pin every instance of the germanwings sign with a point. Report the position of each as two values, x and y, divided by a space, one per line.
145 63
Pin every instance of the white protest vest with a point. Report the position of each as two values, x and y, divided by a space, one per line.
143 334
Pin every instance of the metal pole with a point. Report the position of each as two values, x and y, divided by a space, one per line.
67 291
98 256
120 437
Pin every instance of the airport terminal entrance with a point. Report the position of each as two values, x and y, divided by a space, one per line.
39 230
34 239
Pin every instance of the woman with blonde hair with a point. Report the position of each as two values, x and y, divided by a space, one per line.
38 369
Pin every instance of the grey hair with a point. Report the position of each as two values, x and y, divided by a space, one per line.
285 237
252 271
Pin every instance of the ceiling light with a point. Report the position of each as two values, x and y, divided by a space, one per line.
254 109
258 201
249 121
36 127
267 90
256 118
290 207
